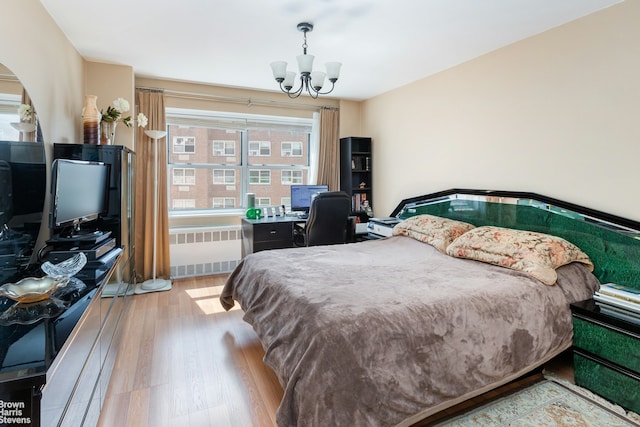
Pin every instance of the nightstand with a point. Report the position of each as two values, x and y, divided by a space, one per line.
606 354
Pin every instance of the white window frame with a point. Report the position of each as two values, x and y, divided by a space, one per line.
227 173
287 148
263 148
226 145
264 176
184 179
249 129
263 201
180 143
291 173
183 203
224 202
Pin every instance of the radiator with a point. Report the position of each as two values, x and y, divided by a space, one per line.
200 251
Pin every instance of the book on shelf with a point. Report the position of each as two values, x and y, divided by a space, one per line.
617 302
619 291
361 163
358 202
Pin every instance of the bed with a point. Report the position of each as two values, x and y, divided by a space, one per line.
387 332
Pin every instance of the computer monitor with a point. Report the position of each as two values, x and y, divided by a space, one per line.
78 194
302 195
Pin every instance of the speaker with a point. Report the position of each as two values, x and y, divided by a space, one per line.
251 200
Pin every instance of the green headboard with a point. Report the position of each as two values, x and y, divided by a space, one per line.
612 243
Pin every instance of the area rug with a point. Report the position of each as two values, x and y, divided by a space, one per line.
553 402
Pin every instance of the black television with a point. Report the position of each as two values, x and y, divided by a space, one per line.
302 195
79 194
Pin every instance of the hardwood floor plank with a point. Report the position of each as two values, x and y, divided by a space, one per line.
184 361
159 410
138 413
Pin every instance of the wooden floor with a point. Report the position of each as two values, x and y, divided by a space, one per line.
186 362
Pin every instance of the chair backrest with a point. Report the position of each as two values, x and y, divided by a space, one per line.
328 218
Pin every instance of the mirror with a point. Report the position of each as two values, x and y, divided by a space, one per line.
22 199
18 118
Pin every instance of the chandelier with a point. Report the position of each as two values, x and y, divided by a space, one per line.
311 81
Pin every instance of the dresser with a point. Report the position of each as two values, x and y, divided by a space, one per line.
56 359
606 354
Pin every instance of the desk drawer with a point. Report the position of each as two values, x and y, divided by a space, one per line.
607 343
270 232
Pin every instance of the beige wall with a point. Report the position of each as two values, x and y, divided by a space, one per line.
109 82
350 118
50 68
556 114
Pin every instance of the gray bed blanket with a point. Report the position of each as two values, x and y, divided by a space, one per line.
381 333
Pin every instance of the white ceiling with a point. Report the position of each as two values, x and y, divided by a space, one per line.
382 44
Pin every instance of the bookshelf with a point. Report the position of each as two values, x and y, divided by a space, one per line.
356 171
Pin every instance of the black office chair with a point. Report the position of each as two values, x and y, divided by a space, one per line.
329 219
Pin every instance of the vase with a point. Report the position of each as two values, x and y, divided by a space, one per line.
91 120
108 133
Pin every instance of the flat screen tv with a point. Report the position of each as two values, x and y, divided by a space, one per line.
79 194
302 195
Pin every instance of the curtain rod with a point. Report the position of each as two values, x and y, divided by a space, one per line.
238 100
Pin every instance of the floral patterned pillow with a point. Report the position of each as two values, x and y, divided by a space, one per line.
434 230
536 254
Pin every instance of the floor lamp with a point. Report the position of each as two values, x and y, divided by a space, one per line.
155 284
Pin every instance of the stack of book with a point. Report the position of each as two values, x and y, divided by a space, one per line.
619 301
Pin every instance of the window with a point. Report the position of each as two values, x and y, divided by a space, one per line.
291 177
223 156
184 176
259 176
224 176
183 203
8 115
224 148
291 149
184 144
224 202
260 148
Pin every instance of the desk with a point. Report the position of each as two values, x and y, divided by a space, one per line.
278 233
268 233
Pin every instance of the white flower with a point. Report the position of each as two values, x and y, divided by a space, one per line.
142 120
121 105
25 112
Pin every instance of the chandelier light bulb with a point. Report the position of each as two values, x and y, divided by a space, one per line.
333 71
311 81
279 69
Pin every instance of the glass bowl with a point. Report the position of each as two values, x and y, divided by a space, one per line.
69 267
33 289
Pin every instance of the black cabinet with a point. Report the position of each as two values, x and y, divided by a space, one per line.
56 354
121 213
606 354
267 233
356 171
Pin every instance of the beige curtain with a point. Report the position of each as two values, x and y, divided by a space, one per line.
328 159
151 103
